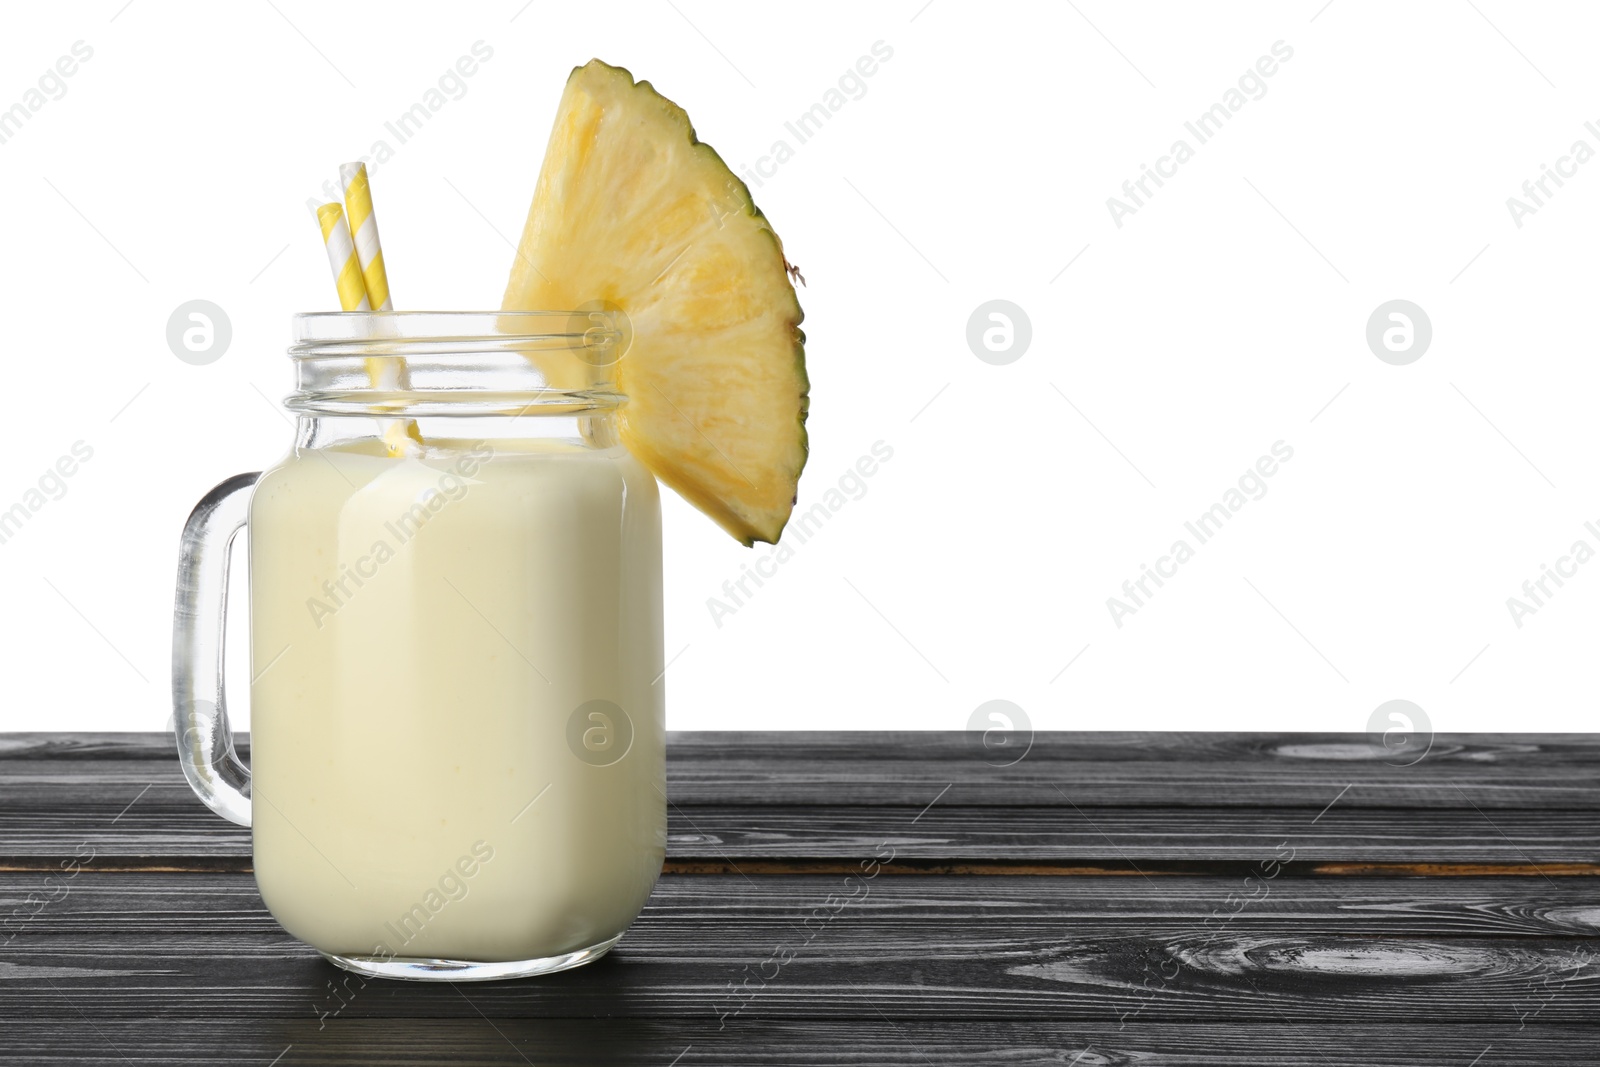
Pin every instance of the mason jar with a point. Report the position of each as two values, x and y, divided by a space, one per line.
457 754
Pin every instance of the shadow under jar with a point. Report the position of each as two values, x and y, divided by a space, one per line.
457 723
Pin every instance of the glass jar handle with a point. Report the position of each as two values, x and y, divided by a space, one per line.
199 616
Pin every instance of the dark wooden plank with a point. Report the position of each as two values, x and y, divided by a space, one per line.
1113 769
339 1042
172 833
169 828
1167 968
1141 835
712 949
873 746
1138 769
782 780
60 794
123 903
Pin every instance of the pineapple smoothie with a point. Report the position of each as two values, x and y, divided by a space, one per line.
457 766
427 630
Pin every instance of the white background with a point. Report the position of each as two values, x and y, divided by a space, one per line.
1227 314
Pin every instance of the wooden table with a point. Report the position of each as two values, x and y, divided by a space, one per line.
1146 899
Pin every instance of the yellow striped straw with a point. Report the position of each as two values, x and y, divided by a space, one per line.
364 228
342 258
352 286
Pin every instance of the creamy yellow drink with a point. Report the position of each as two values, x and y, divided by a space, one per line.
457 766
457 724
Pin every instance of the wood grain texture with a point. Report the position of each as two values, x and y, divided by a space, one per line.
1259 903
1099 746
181 903
809 947
1075 799
1140 834
159 831
1111 769
197 1040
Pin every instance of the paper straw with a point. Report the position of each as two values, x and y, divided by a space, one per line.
342 258
364 228
352 286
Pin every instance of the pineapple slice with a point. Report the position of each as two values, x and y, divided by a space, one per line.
632 212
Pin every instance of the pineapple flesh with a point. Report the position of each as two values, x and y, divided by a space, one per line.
632 211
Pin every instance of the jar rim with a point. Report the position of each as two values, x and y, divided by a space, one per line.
578 329
420 363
